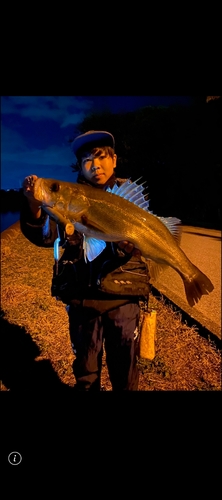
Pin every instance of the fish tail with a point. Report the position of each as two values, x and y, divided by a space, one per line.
199 284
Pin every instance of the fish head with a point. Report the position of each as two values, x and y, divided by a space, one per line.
48 191
65 197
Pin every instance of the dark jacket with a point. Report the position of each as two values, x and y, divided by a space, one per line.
113 276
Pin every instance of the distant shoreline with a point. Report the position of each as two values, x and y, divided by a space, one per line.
8 219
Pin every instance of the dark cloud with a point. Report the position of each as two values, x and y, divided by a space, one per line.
64 110
36 131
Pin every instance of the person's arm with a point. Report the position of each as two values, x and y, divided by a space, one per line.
41 230
34 222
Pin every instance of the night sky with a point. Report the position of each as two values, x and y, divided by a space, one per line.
35 131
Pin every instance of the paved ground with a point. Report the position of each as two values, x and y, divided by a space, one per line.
203 247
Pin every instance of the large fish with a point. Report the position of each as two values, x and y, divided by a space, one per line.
121 214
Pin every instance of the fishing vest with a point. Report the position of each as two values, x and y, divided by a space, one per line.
113 274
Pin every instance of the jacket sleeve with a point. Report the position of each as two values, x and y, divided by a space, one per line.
41 232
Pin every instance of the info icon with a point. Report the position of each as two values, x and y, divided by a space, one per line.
15 458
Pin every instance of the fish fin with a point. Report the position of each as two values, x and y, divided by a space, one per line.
131 191
134 193
155 269
92 248
174 226
197 286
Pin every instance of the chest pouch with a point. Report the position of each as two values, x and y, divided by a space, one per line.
130 278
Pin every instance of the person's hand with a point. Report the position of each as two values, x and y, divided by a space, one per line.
129 248
27 185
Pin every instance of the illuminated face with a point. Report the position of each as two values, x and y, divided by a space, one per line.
98 168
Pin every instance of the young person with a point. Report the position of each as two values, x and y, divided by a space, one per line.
103 311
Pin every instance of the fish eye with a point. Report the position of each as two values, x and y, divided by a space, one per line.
54 187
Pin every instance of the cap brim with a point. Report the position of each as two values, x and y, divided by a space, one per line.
92 137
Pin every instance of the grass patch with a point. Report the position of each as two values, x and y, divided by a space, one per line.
35 335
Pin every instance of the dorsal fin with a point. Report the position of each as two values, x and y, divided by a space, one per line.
174 226
133 192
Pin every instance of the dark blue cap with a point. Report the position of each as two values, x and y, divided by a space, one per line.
92 137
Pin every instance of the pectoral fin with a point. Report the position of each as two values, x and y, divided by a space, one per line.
92 248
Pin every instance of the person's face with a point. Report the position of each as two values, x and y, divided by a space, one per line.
98 169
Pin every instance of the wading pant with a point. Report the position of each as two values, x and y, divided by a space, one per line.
116 328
